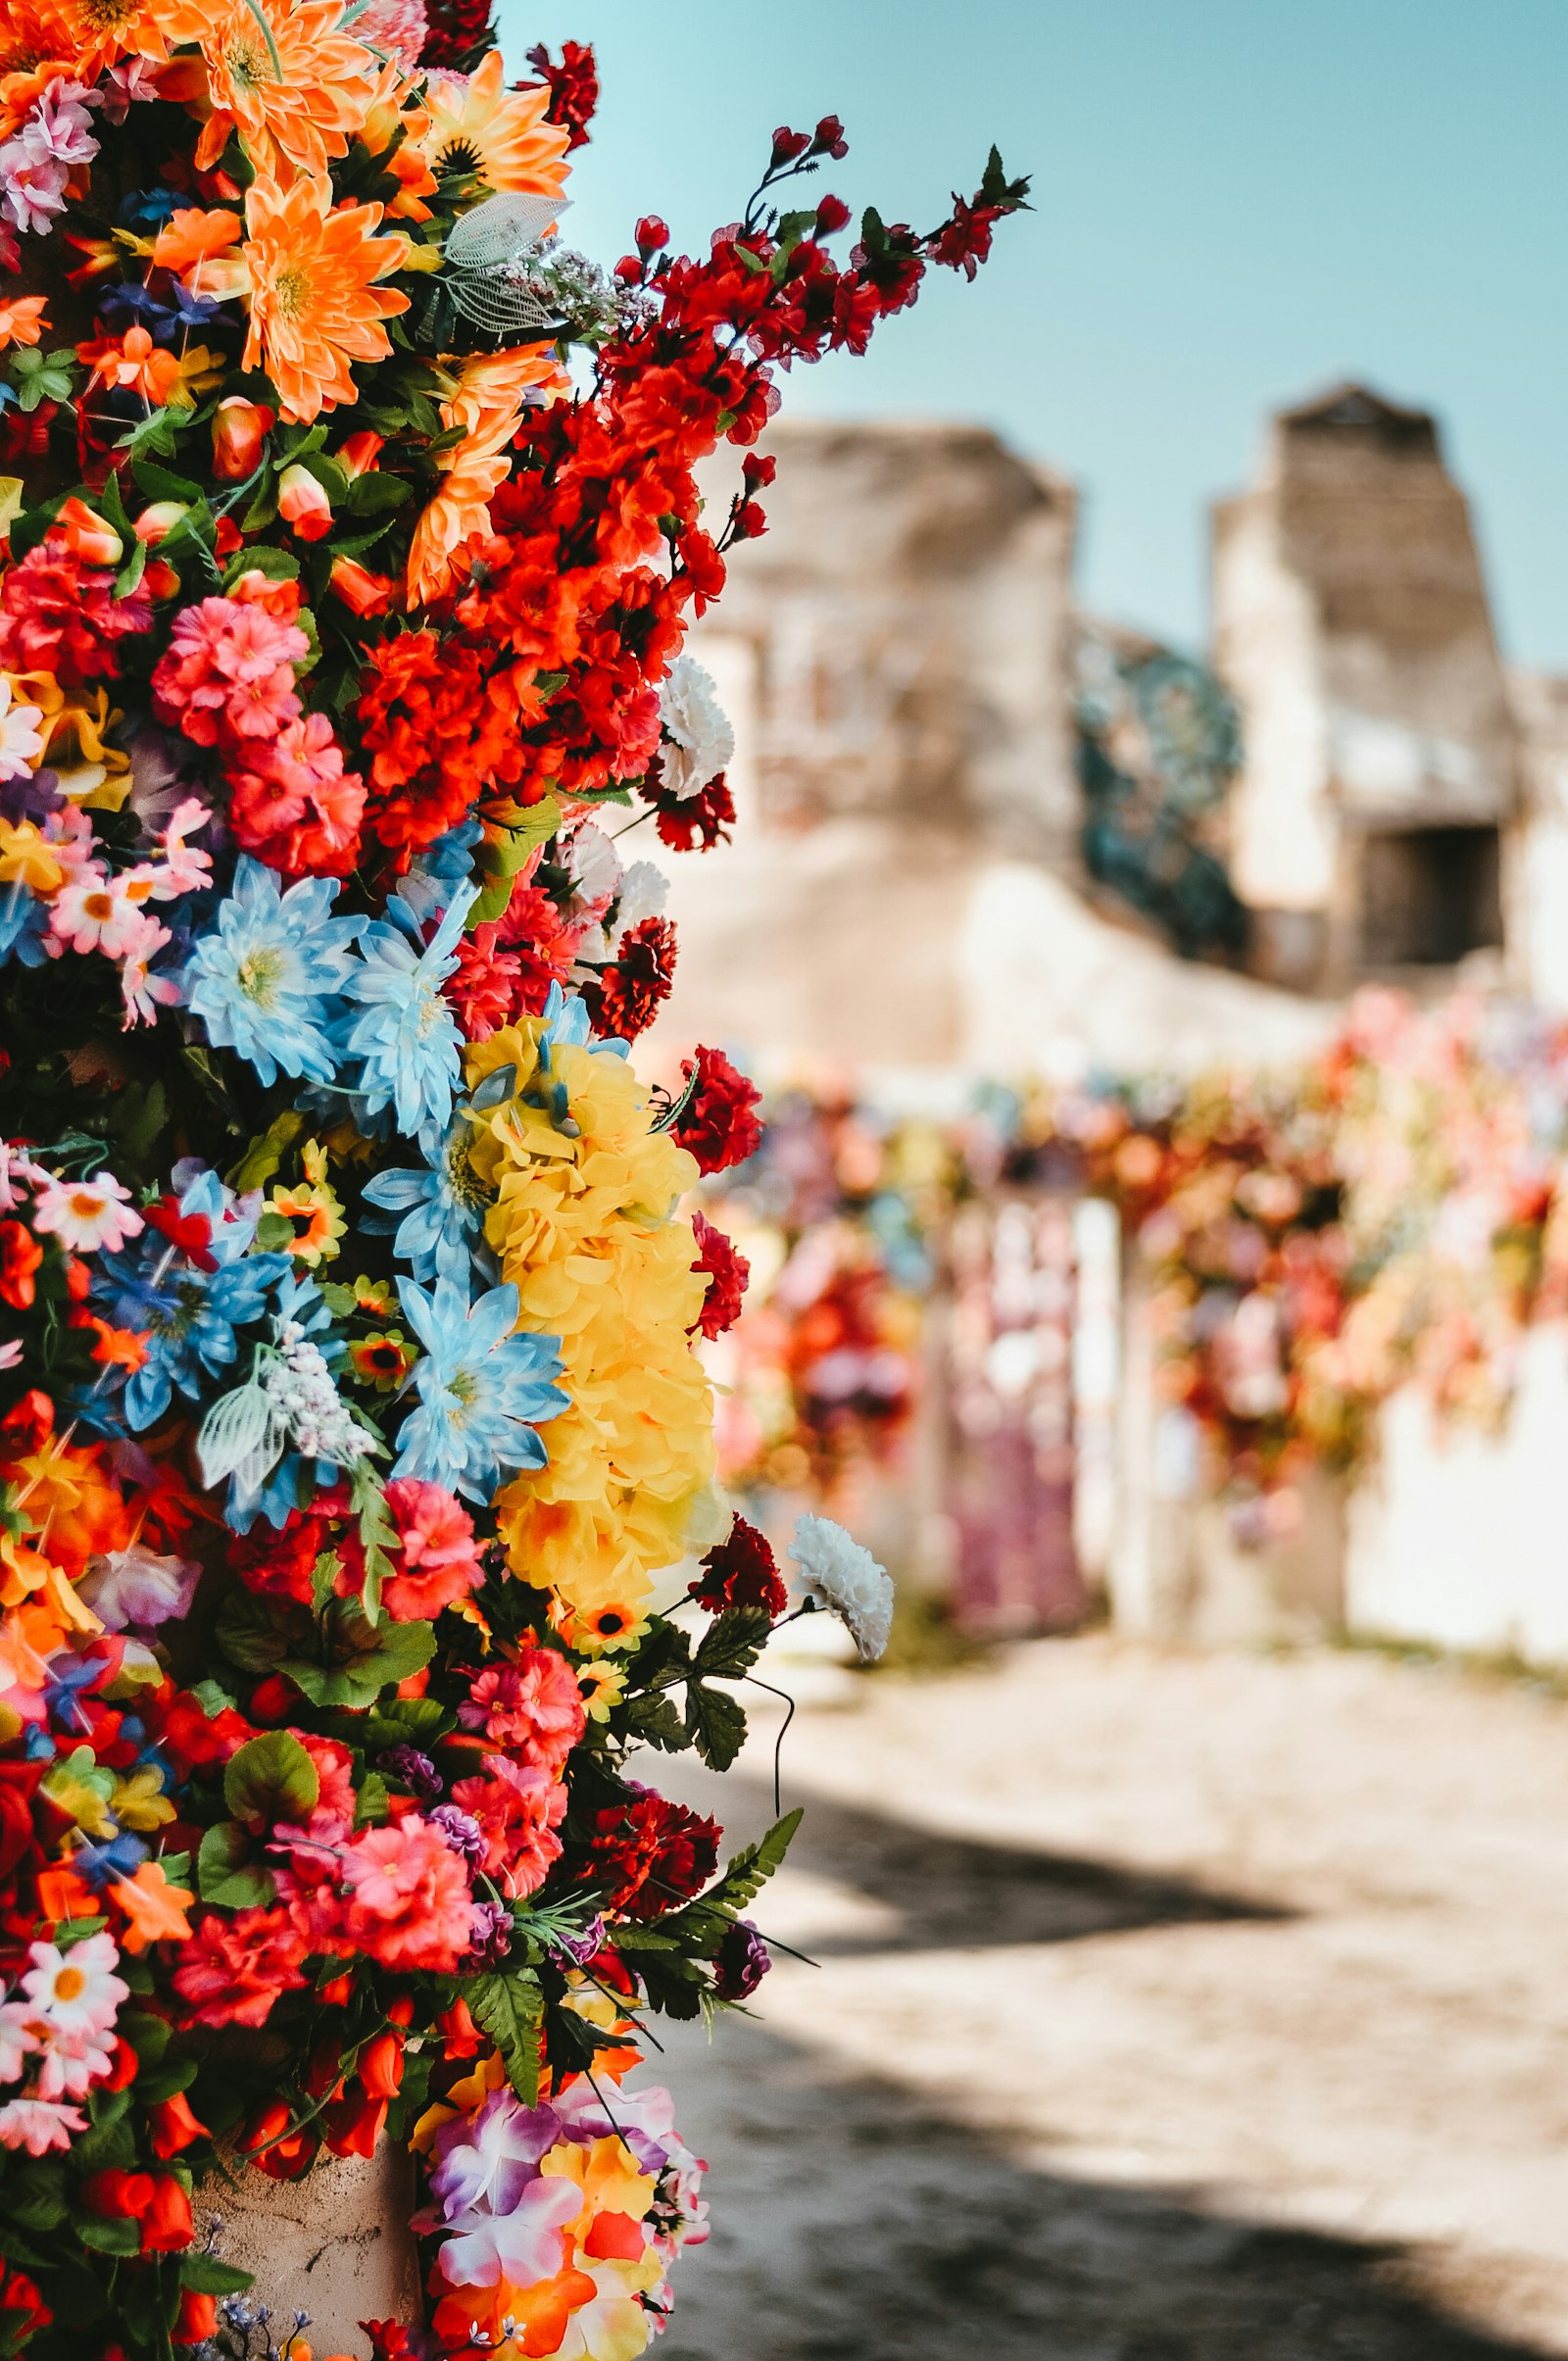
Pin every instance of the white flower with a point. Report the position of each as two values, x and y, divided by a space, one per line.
87 1215
595 867
78 1990
703 741
136 1585
21 2035
21 739
836 1573
36 2125
644 892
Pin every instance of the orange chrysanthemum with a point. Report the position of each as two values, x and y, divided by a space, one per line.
96 33
314 305
500 136
34 35
288 123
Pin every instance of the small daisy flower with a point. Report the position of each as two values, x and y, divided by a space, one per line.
78 1990
87 1216
21 739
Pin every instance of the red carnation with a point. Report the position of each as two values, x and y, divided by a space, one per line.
705 819
573 88
60 615
727 1274
627 997
459 34
742 1572
718 1124
650 1854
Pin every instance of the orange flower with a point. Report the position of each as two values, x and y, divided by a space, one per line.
488 402
291 122
135 362
191 235
118 1348
314 307
32 35
501 137
387 113
154 1909
21 320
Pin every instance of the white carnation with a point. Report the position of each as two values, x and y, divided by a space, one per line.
644 892
595 867
837 1574
704 743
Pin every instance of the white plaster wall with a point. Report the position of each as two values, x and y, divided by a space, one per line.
1460 1539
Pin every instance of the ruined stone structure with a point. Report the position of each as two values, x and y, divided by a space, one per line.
1379 777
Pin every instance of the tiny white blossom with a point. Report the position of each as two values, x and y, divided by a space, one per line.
693 718
836 1573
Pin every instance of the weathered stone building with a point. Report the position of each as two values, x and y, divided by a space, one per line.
1381 775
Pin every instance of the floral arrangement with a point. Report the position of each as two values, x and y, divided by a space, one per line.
820 1371
354 1447
1396 1210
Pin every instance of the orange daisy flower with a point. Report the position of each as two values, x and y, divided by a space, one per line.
289 122
314 303
101 30
33 35
500 136
192 235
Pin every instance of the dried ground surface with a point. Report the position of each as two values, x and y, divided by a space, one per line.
1169 2009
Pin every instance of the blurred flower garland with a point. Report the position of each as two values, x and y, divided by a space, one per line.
349 1415
1396 1210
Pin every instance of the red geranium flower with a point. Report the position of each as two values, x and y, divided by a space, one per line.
651 1854
742 1571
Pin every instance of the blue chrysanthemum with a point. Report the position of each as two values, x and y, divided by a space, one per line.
189 1306
435 1210
264 977
482 1389
403 1045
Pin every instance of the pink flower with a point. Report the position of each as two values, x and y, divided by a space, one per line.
97 911
143 994
87 1216
294 804
185 868
38 2125
440 1556
412 1905
518 1809
533 1707
229 673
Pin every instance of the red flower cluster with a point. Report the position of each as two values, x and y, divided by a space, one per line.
727 1274
718 1123
573 88
742 1571
652 1854
58 614
623 1001
705 819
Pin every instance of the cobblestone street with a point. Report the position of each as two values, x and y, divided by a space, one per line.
1168 2009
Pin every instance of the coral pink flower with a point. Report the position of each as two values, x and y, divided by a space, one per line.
87 1216
233 1970
411 1906
228 674
294 804
519 1810
440 1556
99 913
533 1708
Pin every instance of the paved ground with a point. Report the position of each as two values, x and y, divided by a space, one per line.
1169 2009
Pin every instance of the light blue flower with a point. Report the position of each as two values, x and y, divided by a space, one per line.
189 1305
481 1388
404 1042
23 925
264 975
436 1211
440 869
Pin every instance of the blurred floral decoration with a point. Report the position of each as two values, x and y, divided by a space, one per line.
351 1436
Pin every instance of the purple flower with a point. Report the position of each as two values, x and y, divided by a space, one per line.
137 1586
489 2158
743 1959
415 1770
492 1934
581 1947
460 1830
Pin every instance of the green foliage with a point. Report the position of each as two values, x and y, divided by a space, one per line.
511 2009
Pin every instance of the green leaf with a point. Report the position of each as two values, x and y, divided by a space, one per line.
750 1870
405 1721
162 483
254 1633
209 2277
148 2035
227 1874
378 1535
274 1234
511 2009
213 1697
715 1723
654 1721
363 1658
376 495
278 565
499 857
271 1778
372 1801
264 1153
109 2237
732 1644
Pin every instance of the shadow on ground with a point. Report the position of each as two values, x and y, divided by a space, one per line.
851 2222
851 2225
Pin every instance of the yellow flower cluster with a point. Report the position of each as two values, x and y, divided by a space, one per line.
585 1223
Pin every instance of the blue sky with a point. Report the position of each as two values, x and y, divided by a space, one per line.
1235 205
